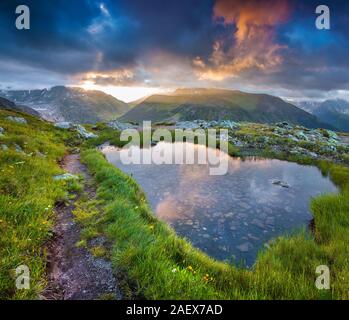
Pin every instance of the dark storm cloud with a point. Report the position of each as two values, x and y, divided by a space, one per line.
77 36
217 42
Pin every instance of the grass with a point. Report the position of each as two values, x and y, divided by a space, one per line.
27 197
165 266
158 263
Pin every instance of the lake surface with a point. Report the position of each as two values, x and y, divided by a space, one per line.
230 217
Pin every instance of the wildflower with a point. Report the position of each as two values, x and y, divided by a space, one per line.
151 227
190 268
174 270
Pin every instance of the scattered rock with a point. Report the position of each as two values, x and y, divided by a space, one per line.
207 124
17 119
117 125
4 147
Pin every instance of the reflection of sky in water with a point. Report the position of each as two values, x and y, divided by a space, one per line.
234 215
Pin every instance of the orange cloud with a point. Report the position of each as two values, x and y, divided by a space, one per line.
253 45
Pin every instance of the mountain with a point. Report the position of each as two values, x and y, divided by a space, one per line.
9 105
218 104
333 112
70 104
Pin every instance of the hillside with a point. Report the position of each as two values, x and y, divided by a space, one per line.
69 104
9 105
219 104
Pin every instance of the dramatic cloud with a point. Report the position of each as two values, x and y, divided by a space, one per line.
268 46
253 44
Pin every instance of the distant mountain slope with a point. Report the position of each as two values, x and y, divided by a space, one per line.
218 104
70 104
333 112
9 105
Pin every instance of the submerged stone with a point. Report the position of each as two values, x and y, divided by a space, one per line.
245 247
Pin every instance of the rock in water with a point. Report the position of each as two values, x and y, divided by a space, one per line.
245 247
281 183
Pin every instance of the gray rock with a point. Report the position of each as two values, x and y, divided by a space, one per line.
332 135
117 125
280 183
64 125
258 223
18 148
301 135
4 147
84 133
17 119
245 247
2 130
65 176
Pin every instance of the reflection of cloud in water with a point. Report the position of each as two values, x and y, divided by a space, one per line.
222 214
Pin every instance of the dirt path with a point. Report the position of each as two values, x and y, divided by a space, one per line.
74 273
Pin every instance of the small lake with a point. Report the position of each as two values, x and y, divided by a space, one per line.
230 217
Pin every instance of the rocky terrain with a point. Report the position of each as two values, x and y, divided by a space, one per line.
69 104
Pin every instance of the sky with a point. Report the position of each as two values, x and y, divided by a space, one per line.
134 48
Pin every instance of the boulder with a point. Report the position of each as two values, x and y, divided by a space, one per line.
332 135
63 125
17 119
65 177
301 135
84 133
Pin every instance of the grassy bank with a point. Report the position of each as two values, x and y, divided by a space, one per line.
156 262
28 161
163 266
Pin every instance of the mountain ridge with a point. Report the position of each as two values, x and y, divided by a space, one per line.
219 104
335 112
72 104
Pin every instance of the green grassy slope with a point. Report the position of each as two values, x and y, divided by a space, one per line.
158 264
28 161
217 104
